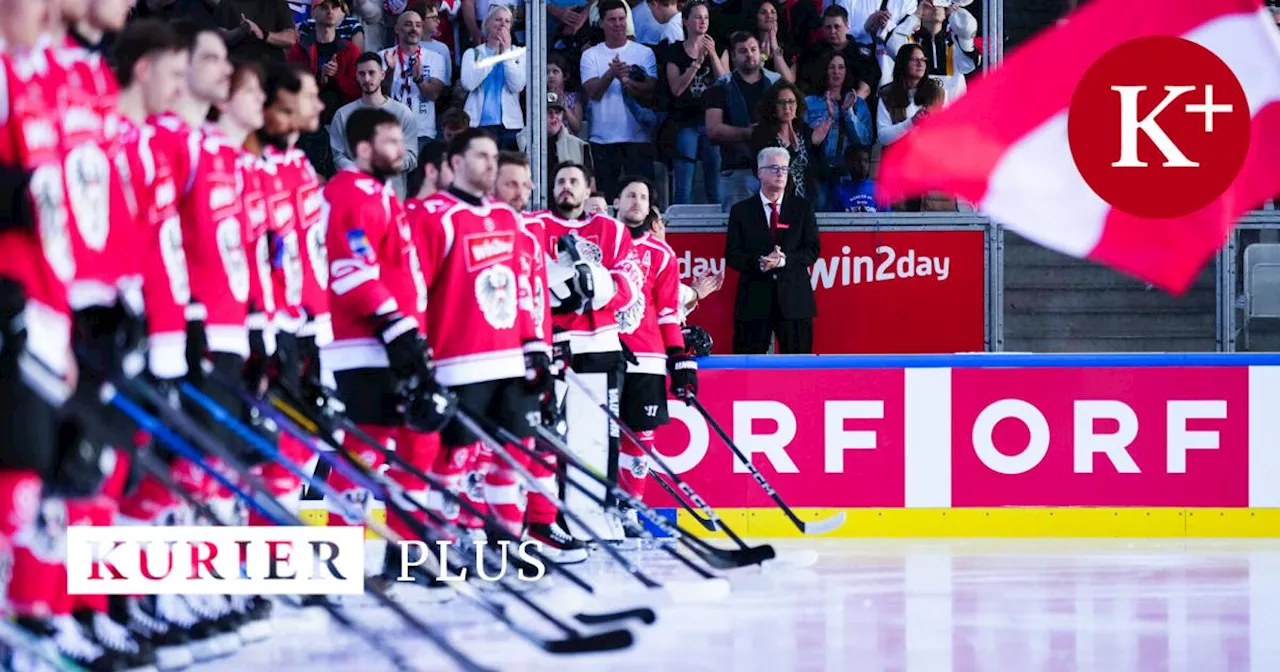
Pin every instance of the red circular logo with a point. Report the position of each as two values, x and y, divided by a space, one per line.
1159 127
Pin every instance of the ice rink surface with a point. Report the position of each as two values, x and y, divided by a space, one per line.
870 605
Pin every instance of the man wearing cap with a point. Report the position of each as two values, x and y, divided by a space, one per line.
945 30
562 146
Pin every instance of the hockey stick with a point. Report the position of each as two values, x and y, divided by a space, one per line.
815 527
310 428
277 513
688 491
577 643
713 556
710 526
41 379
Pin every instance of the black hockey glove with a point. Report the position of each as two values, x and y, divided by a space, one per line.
406 348
13 328
257 366
683 370
537 367
17 210
561 354
429 407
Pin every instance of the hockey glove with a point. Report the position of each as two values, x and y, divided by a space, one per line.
697 341
683 370
258 364
576 284
561 354
429 407
406 348
537 367
13 327
17 209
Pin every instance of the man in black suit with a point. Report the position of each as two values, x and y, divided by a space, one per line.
772 241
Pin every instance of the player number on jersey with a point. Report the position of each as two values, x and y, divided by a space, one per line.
231 247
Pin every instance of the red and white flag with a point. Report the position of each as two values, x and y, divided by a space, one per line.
1034 149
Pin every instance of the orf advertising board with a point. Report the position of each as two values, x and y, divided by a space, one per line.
877 291
1018 437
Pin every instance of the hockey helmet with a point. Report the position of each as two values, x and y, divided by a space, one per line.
697 341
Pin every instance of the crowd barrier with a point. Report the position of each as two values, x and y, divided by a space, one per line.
1128 445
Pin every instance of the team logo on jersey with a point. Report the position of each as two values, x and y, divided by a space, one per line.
486 249
360 247
640 467
496 294
89 173
489 224
589 249
629 318
50 199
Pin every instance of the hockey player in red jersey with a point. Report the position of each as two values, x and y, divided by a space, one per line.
487 334
514 187
432 175
651 331
586 307
35 318
378 297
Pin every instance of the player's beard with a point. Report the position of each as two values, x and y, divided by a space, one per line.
278 140
383 167
567 208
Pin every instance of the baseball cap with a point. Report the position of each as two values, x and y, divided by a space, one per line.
553 100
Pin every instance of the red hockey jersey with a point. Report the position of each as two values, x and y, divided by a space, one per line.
476 322
105 234
607 242
39 259
533 269
374 269
254 174
280 181
312 222
213 226
144 162
652 325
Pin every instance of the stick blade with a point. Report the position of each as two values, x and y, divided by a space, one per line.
824 526
723 559
643 614
613 640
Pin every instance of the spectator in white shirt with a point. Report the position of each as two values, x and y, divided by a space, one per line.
494 78
612 71
656 21
417 75
910 97
868 23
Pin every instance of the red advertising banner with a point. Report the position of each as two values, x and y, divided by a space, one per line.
1100 437
1104 436
824 438
877 291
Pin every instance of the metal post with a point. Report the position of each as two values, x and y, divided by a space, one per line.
536 121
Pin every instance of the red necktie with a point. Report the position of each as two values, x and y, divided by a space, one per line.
773 217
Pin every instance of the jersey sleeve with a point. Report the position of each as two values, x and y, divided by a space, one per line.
433 232
355 241
666 290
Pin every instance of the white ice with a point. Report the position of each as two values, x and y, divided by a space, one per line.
871 605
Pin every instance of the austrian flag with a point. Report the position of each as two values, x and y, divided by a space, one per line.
1133 134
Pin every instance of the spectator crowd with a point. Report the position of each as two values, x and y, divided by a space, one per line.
683 92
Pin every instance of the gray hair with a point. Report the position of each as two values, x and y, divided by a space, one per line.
770 152
494 9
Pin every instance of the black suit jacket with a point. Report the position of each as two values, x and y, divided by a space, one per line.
749 239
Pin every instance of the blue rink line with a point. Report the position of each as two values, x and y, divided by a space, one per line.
991 360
